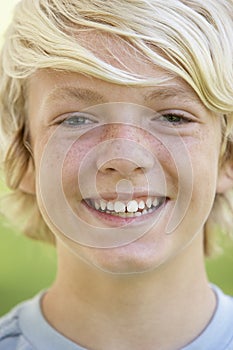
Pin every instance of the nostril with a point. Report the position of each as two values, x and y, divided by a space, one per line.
122 171
110 169
125 167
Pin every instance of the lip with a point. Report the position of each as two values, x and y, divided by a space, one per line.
126 196
118 221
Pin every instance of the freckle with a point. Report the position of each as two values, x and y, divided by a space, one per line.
109 132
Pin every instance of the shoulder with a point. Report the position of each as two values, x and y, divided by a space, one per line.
224 304
25 328
219 332
221 326
11 335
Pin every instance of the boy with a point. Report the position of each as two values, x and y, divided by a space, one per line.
116 123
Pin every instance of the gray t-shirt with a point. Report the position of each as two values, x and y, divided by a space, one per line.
25 328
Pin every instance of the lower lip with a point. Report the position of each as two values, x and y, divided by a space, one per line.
120 221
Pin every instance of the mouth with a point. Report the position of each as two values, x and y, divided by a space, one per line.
126 209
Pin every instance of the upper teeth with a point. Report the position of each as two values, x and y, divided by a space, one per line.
122 207
119 207
132 206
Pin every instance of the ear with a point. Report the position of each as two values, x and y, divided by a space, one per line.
225 178
27 184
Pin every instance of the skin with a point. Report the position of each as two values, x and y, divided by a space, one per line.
132 296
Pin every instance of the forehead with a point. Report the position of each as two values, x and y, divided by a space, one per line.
47 87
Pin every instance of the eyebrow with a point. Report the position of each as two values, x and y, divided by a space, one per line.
92 96
71 92
165 92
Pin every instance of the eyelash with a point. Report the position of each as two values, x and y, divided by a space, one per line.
71 121
183 119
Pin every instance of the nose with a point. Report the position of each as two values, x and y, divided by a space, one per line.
125 154
123 166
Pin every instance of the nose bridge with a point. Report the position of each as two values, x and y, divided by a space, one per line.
120 130
124 150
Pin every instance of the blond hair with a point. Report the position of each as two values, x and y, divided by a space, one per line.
189 38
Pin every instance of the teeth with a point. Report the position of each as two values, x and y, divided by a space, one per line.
132 207
122 215
110 206
155 202
141 204
119 207
149 203
97 205
103 204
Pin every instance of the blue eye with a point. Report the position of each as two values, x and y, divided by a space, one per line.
76 120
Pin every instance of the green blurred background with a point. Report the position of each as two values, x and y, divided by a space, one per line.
27 266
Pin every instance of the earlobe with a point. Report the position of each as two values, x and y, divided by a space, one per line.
225 179
27 184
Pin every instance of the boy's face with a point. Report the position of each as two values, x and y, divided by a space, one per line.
133 145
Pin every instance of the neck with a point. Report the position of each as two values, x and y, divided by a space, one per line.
138 311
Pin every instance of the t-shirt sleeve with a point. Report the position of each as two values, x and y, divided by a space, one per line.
11 337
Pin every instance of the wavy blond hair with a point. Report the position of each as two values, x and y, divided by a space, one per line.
192 38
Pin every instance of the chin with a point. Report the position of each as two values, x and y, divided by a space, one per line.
130 259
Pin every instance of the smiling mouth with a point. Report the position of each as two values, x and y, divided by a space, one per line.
129 209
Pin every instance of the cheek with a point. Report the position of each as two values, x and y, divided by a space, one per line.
197 170
205 159
202 158
203 182
78 166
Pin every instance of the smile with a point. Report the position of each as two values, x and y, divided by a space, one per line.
130 209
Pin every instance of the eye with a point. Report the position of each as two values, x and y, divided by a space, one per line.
78 120
174 118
